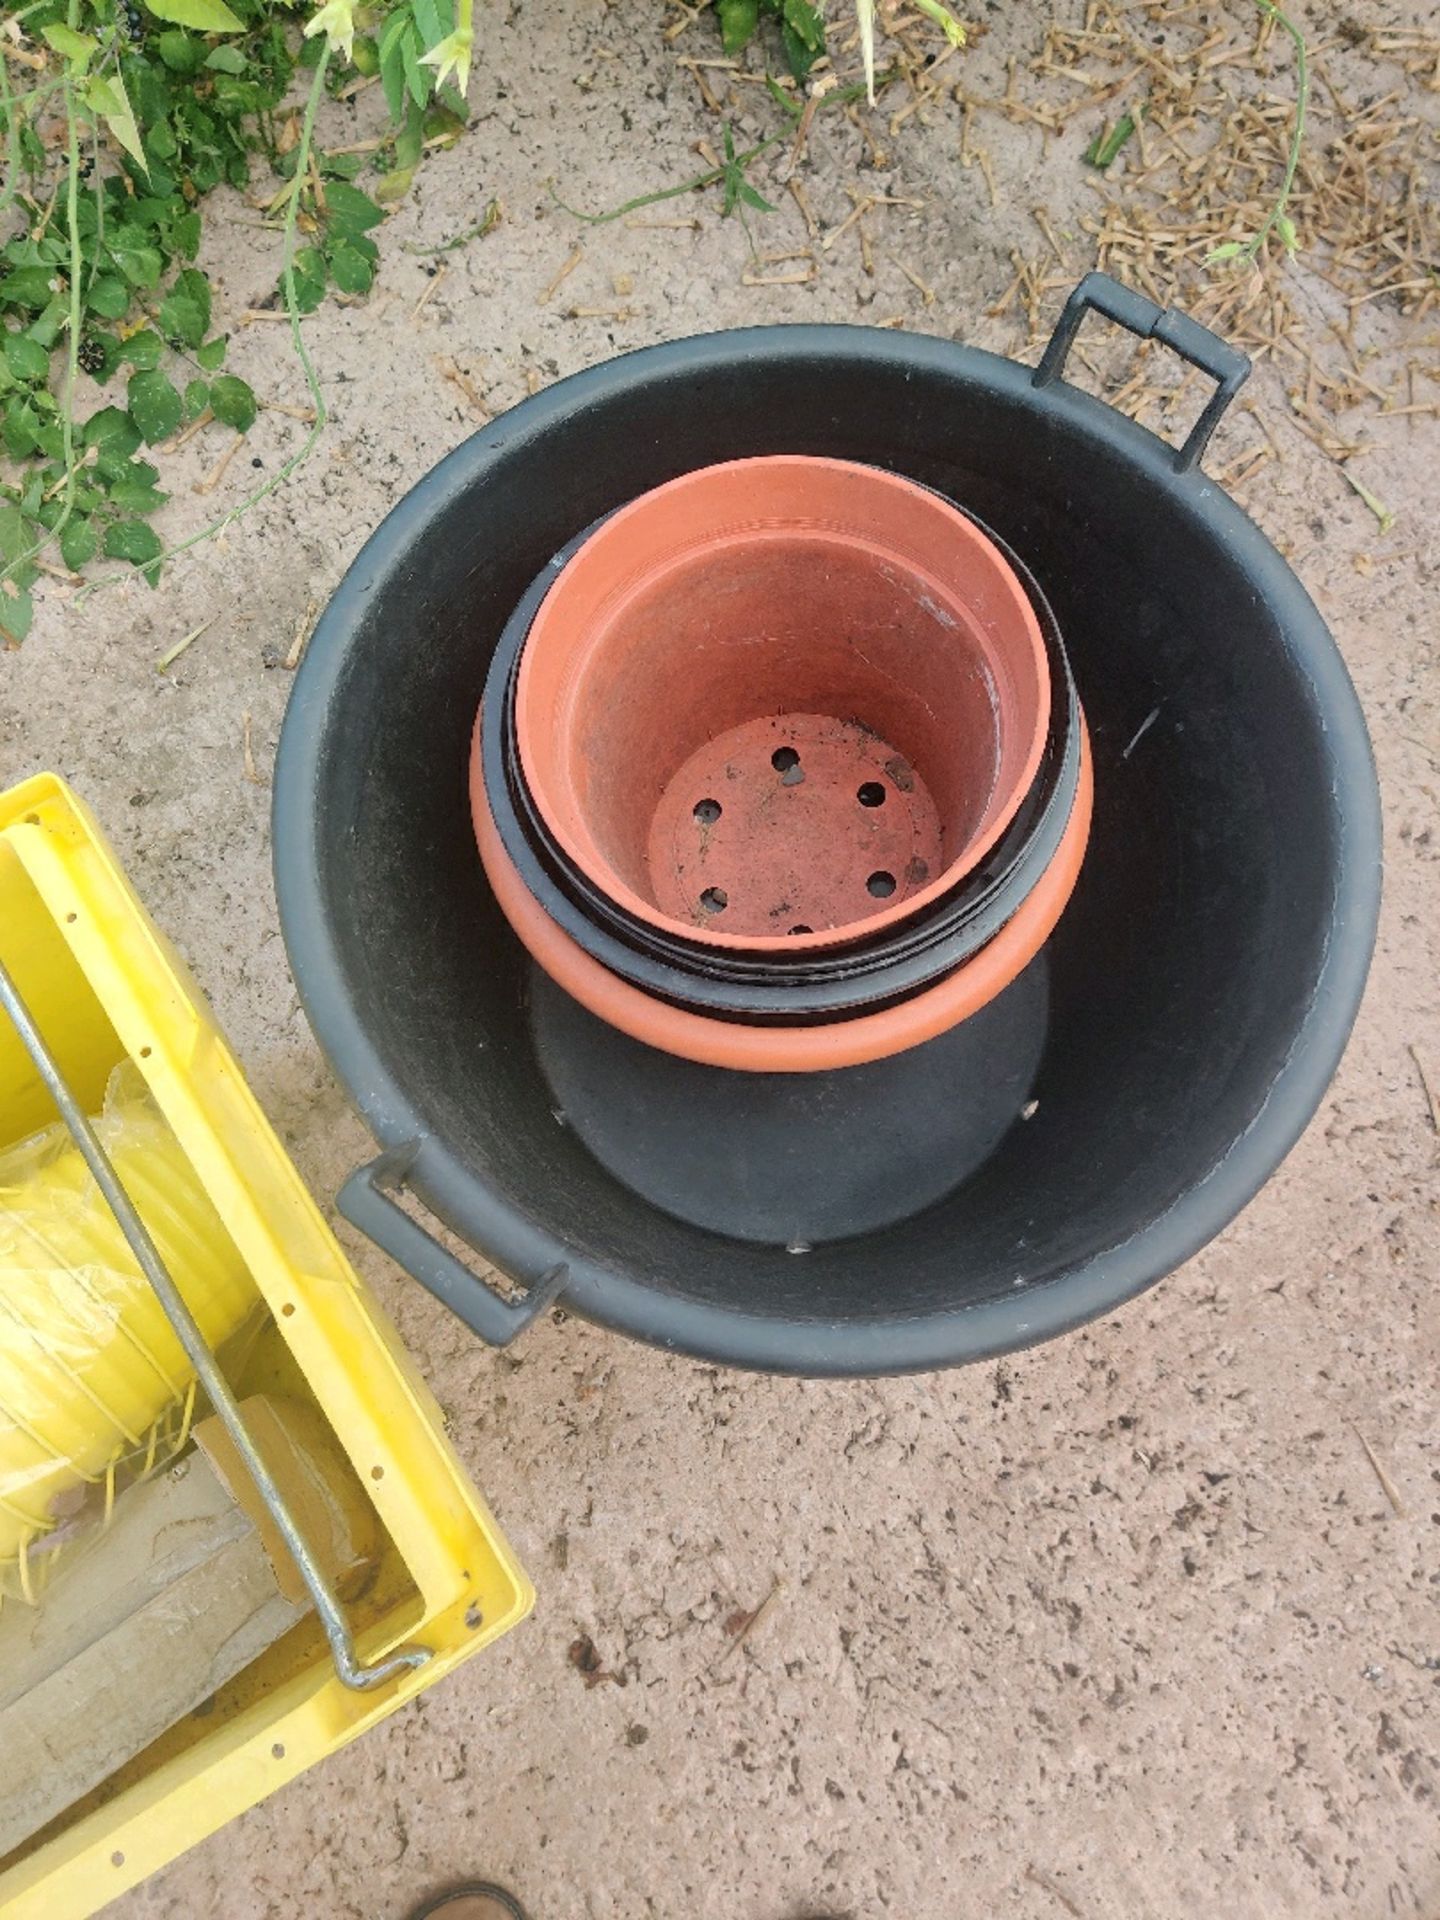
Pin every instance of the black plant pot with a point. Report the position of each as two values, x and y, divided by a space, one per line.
1183 1023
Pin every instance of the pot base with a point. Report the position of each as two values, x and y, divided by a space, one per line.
791 824
793 1159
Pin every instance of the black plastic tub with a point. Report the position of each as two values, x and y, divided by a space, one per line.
1190 1009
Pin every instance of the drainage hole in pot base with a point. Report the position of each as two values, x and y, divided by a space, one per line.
781 839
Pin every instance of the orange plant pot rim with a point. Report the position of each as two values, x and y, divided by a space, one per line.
536 722
810 1049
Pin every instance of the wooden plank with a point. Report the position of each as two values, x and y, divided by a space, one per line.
173 1600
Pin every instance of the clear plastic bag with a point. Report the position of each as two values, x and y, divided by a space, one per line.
94 1386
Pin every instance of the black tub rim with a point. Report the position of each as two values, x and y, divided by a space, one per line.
1049 1304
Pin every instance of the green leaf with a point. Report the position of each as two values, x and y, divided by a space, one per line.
417 78
737 190
34 253
26 359
365 55
394 185
799 57
110 467
76 47
77 542
181 321
185 310
310 277
433 22
109 101
392 63
738 21
802 35
205 16
806 23
440 123
197 398
132 540
232 402
350 210
109 297
140 264
14 534
160 145
30 287
48 326
1106 147
786 102
226 60
113 429
143 350
351 271
132 496
185 235
1231 250
410 140
143 214
212 354
17 610
180 52
155 406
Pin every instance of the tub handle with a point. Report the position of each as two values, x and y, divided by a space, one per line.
365 1200
1226 365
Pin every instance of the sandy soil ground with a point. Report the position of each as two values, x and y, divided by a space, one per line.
1125 1627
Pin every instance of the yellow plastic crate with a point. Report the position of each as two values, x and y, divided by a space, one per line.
103 983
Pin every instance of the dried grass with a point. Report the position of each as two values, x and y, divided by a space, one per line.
1212 94
1202 170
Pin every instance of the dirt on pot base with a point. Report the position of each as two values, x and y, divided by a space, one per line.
804 822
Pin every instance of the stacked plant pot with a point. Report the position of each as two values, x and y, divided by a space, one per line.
780 768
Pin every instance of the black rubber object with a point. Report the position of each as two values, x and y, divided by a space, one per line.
794 1159
789 988
1202 981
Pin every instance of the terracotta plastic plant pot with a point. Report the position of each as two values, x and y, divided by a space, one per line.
789 983
781 1049
781 702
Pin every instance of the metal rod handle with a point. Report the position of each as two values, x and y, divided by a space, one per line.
352 1671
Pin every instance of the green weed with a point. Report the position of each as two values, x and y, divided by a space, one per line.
123 120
